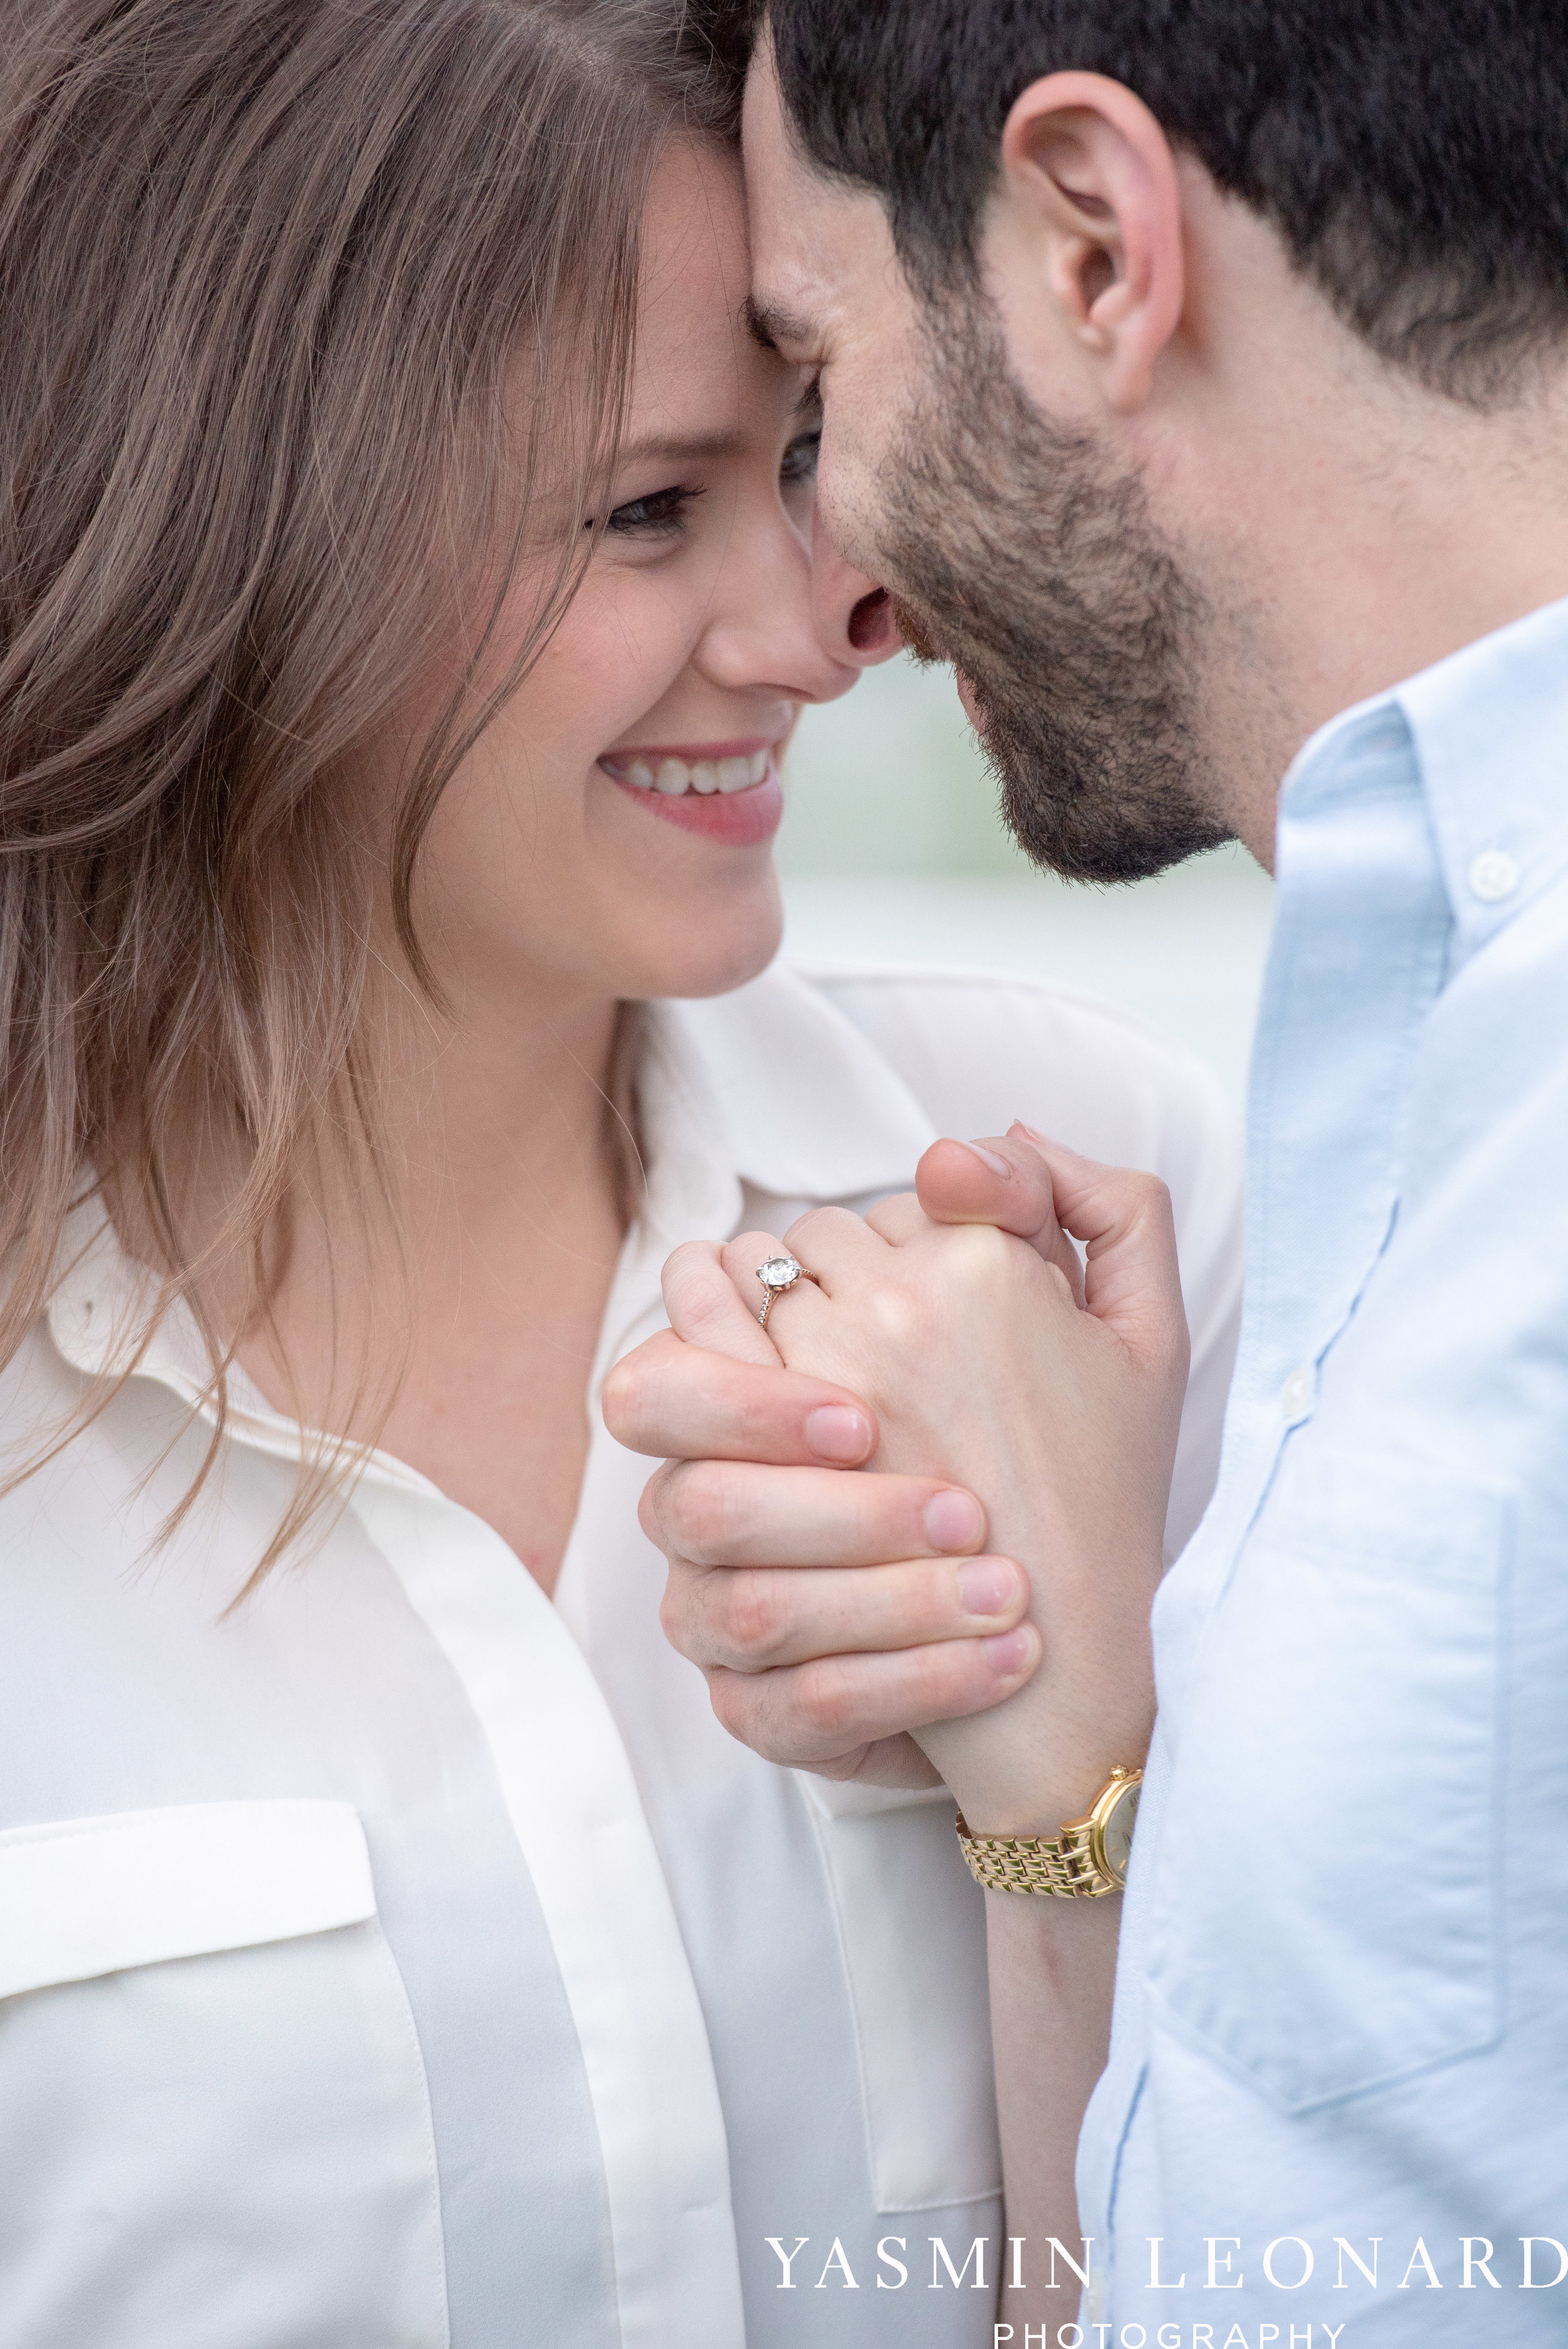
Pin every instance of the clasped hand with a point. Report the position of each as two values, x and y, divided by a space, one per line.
975 1609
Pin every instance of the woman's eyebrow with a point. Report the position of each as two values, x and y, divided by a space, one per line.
673 448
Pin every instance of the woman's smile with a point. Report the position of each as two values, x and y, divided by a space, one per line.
727 791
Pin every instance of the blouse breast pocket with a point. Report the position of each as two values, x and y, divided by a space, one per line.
1325 1900
214 2129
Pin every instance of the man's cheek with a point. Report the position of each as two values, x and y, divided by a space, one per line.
846 500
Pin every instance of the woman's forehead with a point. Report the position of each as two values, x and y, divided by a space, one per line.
696 361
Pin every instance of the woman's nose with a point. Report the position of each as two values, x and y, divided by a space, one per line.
853 615
764 633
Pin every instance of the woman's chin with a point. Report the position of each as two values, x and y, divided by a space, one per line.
716 949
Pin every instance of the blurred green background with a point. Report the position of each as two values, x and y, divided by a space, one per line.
892 851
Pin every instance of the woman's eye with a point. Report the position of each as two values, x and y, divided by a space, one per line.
799 459
659 514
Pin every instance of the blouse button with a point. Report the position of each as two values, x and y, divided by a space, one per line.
1494 876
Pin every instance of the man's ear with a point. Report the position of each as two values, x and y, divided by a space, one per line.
1090 209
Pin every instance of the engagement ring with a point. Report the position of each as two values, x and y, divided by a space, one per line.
777 1273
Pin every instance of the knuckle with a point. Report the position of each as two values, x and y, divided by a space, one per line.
823 1700
733 1702
684 1270
819 1220
743 1709
739 1256
650 1515
754 1618
675 1616
993 1258
985 1245
1150 1191
895 1214
706 1309
698 1290
694 1510
901 1314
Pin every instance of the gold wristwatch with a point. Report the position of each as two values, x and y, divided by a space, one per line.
1084 1862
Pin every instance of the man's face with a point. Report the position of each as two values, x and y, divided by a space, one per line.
1015 544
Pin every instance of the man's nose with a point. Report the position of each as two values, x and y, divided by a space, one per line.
853 615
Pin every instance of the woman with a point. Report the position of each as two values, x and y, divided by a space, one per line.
407 598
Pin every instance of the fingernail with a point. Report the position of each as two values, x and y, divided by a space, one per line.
835 1432
989 1158
988 1586
954 1520
1010 1651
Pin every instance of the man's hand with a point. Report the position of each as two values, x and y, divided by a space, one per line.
828 1611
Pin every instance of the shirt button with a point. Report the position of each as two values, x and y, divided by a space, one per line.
1296 1395
1494 876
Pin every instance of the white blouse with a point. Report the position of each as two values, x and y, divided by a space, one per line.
398 1958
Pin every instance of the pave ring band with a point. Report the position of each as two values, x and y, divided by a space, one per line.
777 1273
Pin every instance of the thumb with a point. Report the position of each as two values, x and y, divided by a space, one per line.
1006 1183
1132 1282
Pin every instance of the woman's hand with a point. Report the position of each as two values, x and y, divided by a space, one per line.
987 1365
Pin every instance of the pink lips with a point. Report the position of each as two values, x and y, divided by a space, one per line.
735 818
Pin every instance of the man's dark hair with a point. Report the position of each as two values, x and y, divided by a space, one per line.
1412 153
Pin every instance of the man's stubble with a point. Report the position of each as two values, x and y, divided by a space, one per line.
1015 549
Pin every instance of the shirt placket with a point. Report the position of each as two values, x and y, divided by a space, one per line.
1356 962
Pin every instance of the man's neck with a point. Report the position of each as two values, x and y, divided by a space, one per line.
1352 527
1393 562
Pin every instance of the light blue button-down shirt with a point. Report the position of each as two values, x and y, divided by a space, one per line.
1342 2024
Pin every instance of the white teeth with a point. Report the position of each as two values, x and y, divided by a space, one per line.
674 776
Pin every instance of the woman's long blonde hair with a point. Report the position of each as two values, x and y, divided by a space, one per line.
294 294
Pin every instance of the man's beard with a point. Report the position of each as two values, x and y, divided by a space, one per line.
1016 551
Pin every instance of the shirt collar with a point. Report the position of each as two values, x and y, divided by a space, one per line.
774 1086
104 1320
769 1091
1485 728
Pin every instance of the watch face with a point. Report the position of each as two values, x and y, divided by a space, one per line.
1116 1837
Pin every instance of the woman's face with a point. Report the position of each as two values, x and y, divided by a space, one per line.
611 834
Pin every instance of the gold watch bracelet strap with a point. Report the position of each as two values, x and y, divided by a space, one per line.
1040 1864
1076 1864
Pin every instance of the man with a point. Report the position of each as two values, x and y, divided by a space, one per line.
1195 376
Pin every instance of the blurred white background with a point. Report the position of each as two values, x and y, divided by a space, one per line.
892 851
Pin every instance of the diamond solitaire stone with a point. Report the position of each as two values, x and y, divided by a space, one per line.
777 1272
